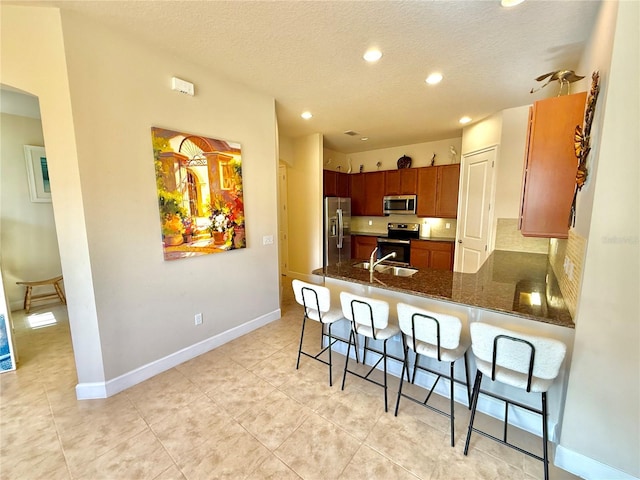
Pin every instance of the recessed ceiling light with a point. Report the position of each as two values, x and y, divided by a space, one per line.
510 3
434 78
306 115
372 55
464 120
364 139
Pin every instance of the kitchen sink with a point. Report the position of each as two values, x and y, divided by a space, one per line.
389 269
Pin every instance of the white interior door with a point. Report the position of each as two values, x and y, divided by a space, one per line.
475 213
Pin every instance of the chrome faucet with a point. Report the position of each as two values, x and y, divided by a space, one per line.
373 264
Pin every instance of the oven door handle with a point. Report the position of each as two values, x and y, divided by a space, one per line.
394 240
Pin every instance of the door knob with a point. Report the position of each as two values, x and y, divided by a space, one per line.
459 241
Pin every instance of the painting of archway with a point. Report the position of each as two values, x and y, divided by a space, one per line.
200 200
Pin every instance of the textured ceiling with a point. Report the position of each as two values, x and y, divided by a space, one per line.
308 56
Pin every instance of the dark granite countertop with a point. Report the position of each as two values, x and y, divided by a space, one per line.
506 283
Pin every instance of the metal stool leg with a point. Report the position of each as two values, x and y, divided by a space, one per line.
451 402
545 435
474 404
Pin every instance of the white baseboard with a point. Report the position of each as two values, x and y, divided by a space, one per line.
86 391
586 467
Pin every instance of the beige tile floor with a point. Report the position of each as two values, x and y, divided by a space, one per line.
240 411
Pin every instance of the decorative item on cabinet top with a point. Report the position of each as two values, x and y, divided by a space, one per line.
582 141
404 162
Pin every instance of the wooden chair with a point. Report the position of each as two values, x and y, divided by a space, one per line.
29 297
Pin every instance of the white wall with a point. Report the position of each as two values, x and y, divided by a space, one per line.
420 154
27 229
37 64
513 140
305 206
602 413
105 197
336 161
485 133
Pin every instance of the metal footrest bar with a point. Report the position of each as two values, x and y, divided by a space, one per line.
317 355
511 445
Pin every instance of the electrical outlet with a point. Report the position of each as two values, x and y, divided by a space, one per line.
447 225
267 240
370 222
198 319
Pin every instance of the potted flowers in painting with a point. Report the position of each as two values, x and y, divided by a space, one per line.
219 218
172 229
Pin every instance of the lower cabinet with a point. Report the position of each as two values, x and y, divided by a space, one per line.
362 246
432 254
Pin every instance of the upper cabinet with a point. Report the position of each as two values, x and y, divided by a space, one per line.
447 191
550 166
427 186
367 191
373 193
401 182
438 191
335 184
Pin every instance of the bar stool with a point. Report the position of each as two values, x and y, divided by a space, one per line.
30 298
522 361
437 336
370 318
316 301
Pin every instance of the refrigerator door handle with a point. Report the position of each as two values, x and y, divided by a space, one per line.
340 227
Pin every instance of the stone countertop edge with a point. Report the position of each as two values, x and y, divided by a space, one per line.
501 282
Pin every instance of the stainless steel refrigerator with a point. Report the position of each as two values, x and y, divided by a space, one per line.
337 230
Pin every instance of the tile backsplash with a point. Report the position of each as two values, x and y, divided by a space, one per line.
566 258
437 226
509 238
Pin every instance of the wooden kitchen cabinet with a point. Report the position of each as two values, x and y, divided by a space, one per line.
335 184
550 166
373 193
432 254
447 191
426 191
401 182
356 187
362 246
367 191
438 191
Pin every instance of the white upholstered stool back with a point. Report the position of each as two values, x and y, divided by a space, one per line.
365 312
528 362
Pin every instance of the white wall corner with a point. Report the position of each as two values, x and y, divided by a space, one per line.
586 467
88 391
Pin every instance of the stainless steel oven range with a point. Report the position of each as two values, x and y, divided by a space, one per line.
398 240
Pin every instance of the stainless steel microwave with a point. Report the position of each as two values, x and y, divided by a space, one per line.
399 205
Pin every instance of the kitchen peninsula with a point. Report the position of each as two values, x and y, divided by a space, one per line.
514 283
512 289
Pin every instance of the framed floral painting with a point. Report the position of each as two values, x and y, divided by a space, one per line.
200 201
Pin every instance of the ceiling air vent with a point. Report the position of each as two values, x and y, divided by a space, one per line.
351 133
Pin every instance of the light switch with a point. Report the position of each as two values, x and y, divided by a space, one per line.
267 240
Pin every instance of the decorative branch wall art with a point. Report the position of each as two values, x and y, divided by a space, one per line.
582 143
200 199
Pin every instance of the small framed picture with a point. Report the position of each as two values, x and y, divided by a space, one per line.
37 174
